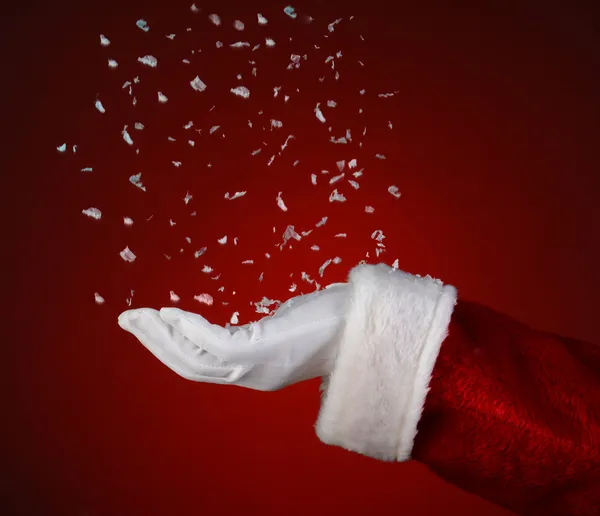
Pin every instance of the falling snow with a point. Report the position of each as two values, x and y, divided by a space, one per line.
394 191
280 202
148 60
241 91
126 136
336 197
206 299
290 11
197 84
127 255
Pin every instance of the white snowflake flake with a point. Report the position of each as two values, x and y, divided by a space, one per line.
280 202
62 148
241 91
162 98
197 84
336 197
112 63
136 180
223 240
394 191
335 179
104 41
143 24
236 195
207 269
128 221
194 9
354 184
148 60
215 18
290 11
206 299
319 114
87 169
126 136
261 19
378 235
285 144
174 297
200 252
187 198
100 107
269 42
93 213
138 126
331 26
323 267
238 25
98 298
127 255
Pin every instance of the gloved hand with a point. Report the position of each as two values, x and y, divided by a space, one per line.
297 343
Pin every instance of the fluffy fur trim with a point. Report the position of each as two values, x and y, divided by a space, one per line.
395 325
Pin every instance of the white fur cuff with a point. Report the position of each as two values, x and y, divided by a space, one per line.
395 325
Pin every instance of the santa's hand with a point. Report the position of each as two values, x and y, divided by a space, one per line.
299 342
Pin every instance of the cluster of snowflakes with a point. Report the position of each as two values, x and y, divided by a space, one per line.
346 170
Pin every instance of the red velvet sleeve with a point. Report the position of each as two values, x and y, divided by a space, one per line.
513 415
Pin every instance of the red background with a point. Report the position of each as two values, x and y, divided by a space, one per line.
494 148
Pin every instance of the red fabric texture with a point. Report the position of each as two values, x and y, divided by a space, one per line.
513 415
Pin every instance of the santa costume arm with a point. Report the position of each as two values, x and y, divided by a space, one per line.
496 408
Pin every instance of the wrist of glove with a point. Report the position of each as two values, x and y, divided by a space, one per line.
299 342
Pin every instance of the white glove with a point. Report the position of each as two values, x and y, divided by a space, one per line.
299 342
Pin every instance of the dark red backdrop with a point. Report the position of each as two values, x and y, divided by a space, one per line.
493 146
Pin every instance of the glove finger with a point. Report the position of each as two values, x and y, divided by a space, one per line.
203 362
218 341
170 348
